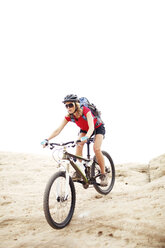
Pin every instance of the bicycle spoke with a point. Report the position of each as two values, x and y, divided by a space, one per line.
59 200
58 205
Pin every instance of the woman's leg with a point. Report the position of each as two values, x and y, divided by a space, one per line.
79 147
79 152
98 153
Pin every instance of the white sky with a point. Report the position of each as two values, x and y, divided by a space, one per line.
112 52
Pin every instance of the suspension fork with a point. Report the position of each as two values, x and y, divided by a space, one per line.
58 185
66 184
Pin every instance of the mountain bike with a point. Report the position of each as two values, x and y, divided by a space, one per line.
60 195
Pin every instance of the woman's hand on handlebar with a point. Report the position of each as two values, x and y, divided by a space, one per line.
84 138
44 143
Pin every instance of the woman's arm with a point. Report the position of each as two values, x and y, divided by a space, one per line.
58 130
90 124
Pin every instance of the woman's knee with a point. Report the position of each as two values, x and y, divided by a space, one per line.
96 149
80 147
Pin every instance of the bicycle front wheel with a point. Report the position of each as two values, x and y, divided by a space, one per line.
59 200
110 173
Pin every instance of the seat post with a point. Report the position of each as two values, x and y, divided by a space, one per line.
88 149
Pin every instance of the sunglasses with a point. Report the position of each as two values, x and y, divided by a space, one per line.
70 105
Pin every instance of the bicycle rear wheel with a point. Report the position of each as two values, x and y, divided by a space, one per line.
59 200
109 170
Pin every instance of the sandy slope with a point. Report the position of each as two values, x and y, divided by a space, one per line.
132 215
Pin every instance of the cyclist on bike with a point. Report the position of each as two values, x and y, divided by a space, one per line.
88 127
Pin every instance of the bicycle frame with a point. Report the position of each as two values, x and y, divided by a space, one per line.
71 157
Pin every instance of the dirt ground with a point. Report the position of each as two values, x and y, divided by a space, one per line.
132 215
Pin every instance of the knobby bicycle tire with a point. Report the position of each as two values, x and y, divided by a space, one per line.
49 218
99 189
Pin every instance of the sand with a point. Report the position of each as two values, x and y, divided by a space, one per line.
132 215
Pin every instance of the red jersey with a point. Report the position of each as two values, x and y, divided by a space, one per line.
82 122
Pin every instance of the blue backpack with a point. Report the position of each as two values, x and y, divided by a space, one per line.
85 102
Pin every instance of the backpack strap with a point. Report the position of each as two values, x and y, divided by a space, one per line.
72 118
94 117
84 117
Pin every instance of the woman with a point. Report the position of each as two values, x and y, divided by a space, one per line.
88 126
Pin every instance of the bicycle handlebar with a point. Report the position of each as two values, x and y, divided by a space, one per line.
74 143
62 144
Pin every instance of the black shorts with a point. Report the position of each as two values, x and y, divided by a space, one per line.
99 130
